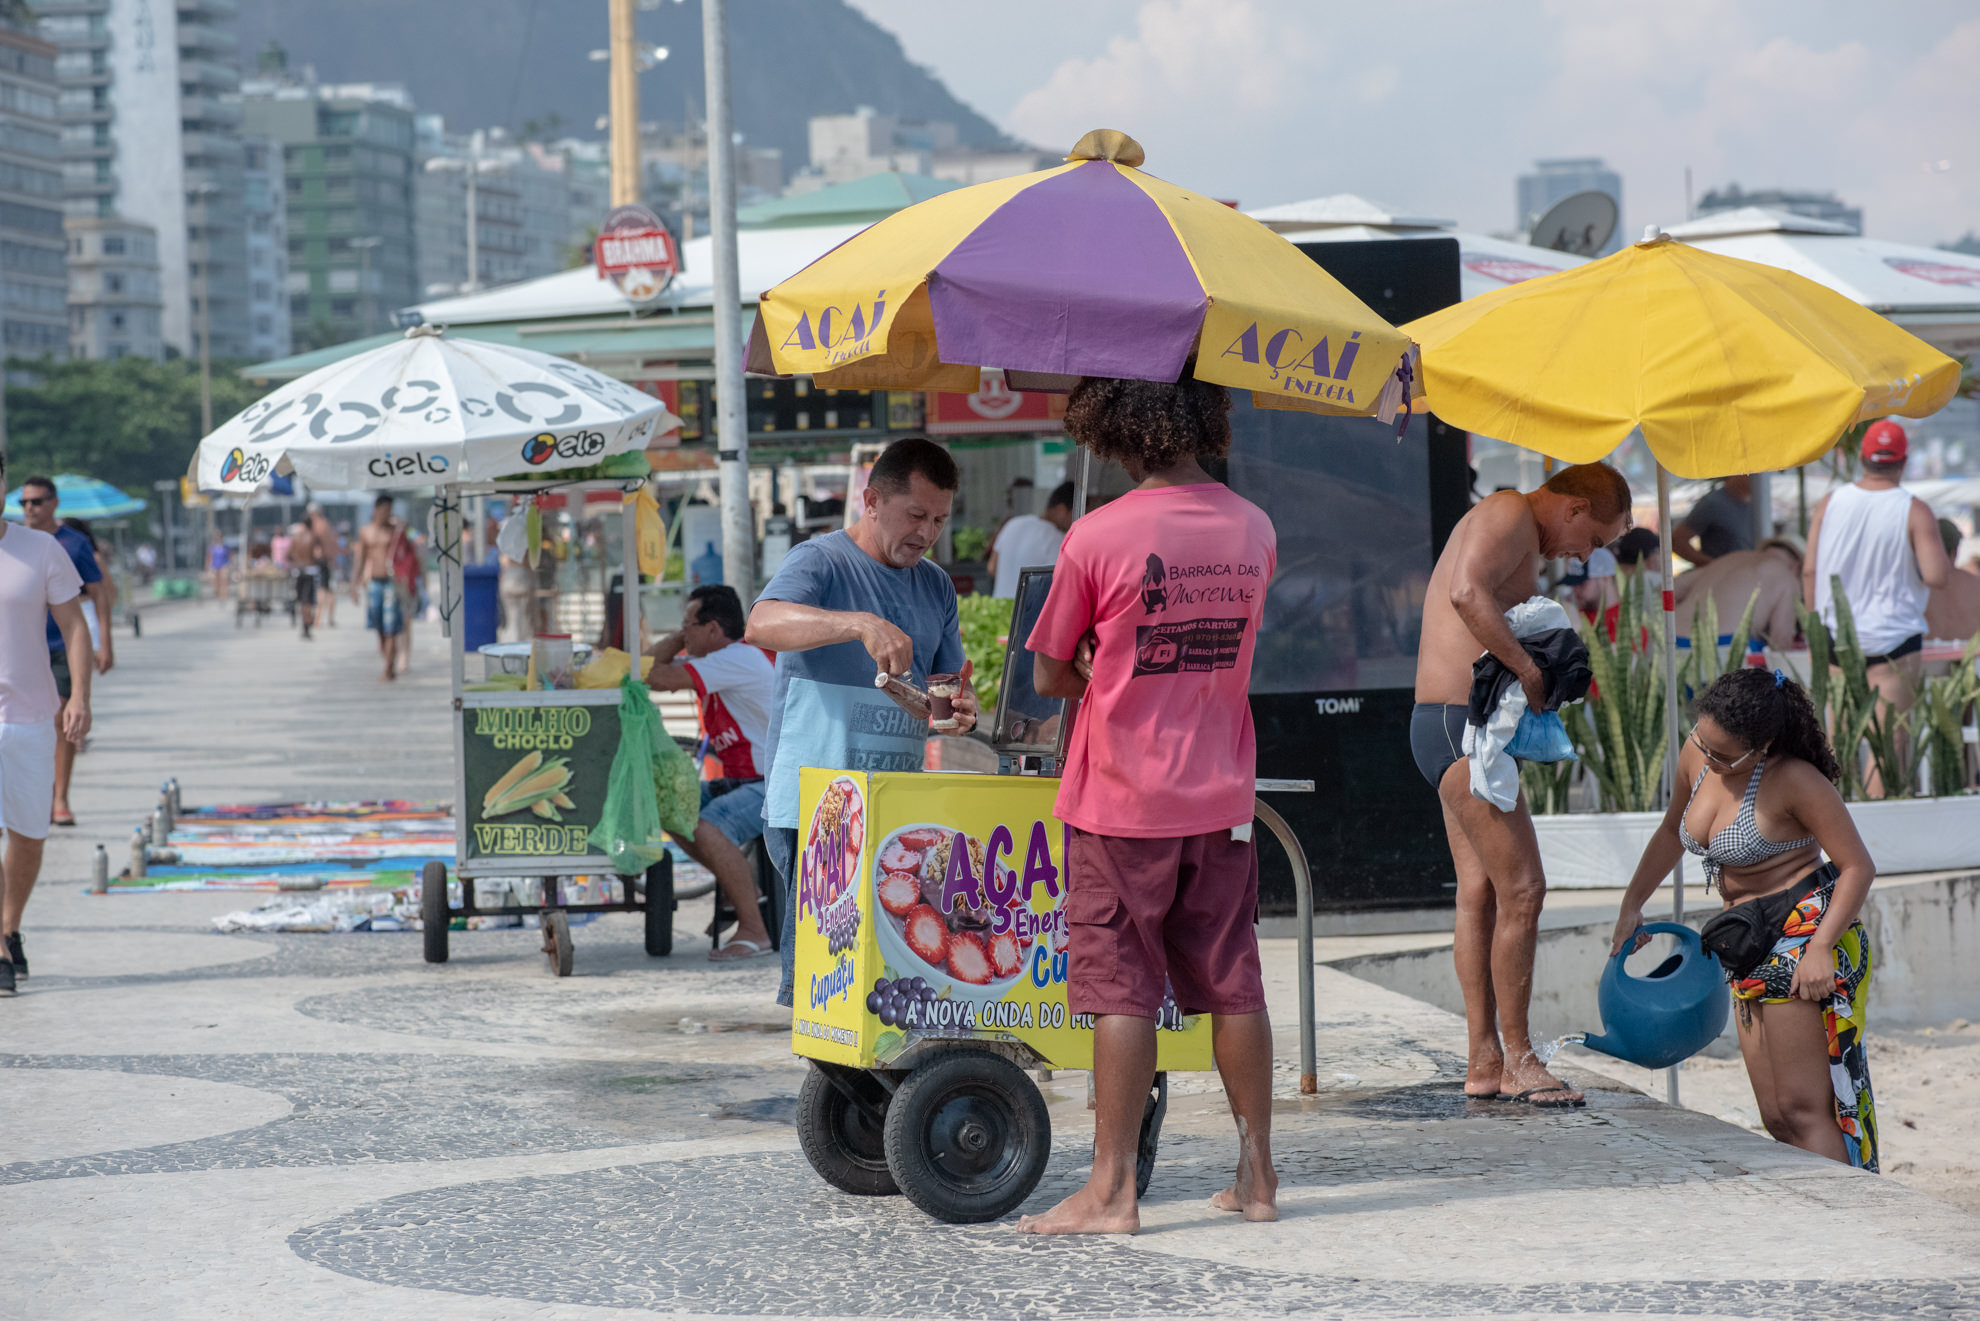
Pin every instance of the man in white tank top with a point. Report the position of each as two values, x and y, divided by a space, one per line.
1883 544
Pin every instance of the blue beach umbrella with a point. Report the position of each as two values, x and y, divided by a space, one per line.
83 497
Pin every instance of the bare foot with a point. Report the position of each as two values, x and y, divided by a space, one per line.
1483 1074
1086 1213
1254 1193
1542 1088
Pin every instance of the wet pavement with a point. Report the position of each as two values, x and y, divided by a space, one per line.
197 1125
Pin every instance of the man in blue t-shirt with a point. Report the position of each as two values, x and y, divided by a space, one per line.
841 608
38 503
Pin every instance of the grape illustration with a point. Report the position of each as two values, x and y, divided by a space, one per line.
892 1001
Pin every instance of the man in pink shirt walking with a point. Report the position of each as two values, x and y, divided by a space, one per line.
1152 620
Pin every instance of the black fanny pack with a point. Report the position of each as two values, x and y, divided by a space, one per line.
1743 936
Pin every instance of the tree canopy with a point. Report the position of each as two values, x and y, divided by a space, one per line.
129 422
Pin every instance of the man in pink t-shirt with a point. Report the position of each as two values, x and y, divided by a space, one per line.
37 581
1151 621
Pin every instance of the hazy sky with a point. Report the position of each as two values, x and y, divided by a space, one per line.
1433 106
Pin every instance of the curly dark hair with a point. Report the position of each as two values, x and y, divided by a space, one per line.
1765 709
1156 424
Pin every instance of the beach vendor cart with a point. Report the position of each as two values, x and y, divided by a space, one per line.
532 764
932 960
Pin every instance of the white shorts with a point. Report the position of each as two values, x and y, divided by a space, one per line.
27 777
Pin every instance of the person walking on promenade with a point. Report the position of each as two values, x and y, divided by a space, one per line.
303 569
39 501
1488 566
841 610
1756 798
38 582
1151 622
1884 545
377 543
1719 524
328 547
734 687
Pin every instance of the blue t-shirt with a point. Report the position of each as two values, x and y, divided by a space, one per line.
833 573
83 555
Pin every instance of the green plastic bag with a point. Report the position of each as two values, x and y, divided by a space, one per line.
630 827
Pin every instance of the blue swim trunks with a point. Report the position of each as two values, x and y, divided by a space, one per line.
381 613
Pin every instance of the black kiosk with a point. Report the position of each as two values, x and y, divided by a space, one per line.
1361 517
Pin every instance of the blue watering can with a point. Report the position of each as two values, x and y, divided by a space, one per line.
1669 1015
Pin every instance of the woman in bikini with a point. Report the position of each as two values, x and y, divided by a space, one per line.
1756 800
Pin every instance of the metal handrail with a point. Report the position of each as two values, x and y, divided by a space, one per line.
1309 1082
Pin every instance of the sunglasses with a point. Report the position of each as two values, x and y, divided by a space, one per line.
35 501
1720 762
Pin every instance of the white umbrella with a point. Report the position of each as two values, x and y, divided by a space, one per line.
426 410
1933 293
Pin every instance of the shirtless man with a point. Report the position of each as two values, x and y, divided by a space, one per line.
303 556
373 569
328 545
1487 568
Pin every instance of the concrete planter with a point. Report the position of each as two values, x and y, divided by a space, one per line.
1599 850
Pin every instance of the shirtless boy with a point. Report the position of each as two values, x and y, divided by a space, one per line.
303 555
373 570
1487 568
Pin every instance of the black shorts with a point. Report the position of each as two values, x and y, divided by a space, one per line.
1911 646
1436 738
58 661
306 587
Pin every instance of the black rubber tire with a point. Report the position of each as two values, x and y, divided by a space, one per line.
1153 1112
968 1136
433 915
557 941
840 1138
660 907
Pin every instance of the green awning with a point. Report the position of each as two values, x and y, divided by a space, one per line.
875 197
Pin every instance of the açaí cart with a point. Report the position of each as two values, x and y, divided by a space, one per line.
931 969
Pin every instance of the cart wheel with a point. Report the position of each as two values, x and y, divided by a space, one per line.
841 1124
967 1136
1152 1114
433 914
660 908
557 941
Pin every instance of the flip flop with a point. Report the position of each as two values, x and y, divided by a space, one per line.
756 951
61 818
1526 1098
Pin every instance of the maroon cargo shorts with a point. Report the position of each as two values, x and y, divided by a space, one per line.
1183 908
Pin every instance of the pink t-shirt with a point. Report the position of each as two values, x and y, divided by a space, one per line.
35 573
1171 581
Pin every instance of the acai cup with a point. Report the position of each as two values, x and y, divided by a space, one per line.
943 690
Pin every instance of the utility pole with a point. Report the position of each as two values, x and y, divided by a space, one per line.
624 105
206 341
367 305
731 427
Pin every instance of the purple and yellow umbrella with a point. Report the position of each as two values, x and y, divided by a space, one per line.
1088 269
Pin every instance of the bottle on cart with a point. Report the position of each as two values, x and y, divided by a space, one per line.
706 569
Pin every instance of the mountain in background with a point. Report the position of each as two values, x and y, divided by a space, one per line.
489 63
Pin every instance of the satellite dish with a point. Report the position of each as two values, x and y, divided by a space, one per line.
1581 223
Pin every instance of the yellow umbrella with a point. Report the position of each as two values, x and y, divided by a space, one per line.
1727 366
1091 268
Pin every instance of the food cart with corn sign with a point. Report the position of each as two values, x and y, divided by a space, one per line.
532 757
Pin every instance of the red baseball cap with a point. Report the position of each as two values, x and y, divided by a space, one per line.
1884 442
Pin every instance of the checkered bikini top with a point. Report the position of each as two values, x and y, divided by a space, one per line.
1740 844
